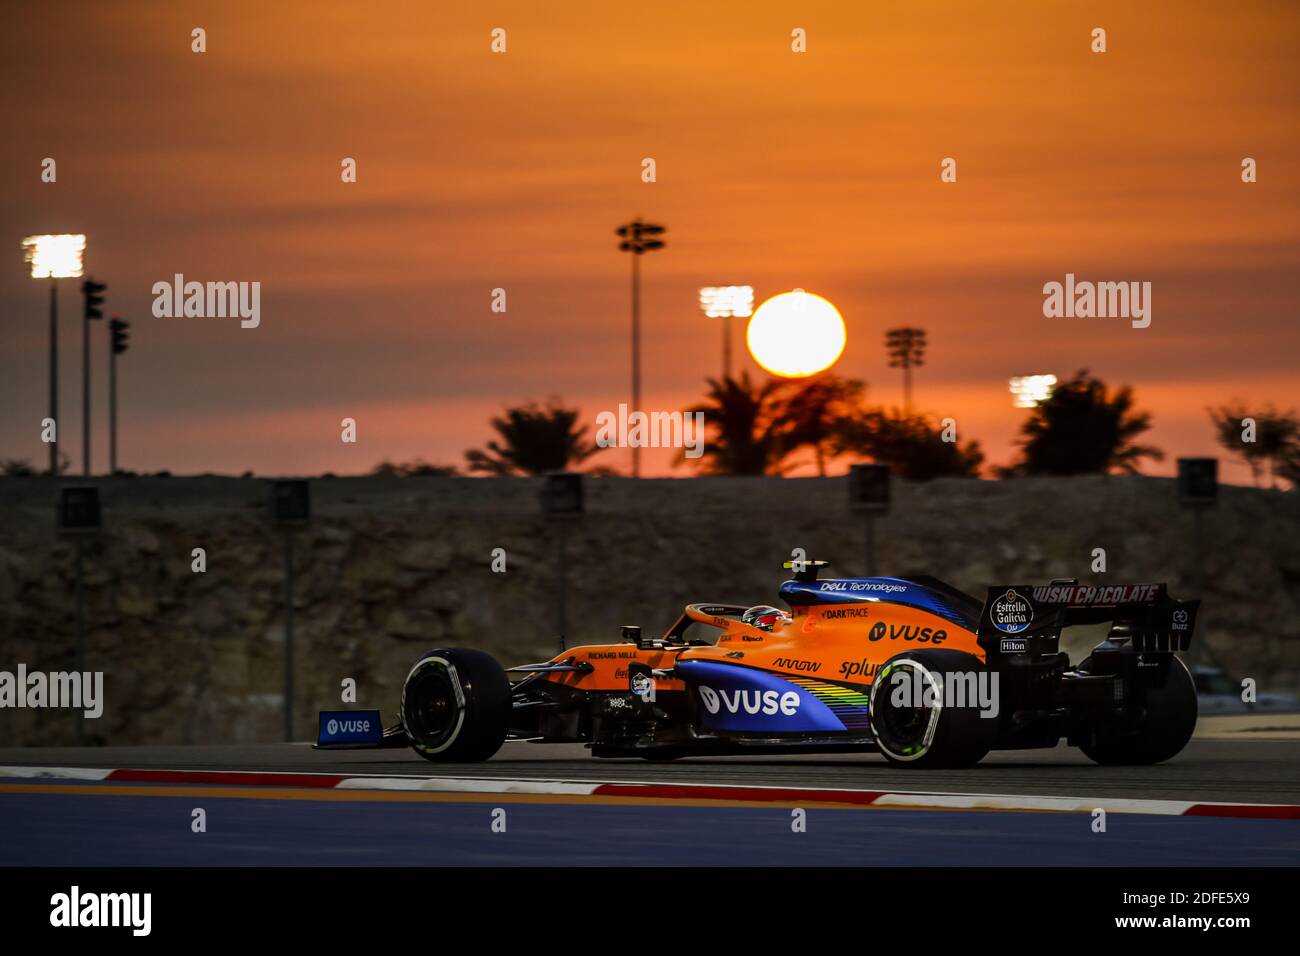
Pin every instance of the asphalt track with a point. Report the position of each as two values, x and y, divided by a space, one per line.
244 829
48 822
1209 770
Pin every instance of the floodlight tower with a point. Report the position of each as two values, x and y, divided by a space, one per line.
54 257
906 348
724 301
638 238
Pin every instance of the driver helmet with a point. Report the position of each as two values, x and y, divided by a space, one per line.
764 616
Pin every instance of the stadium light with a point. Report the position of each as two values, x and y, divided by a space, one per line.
94 295
1029 390
54 257
638 238
117 337
723 302
906 348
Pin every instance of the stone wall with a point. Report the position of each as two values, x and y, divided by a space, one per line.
390 567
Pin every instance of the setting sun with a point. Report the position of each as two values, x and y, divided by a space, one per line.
796 334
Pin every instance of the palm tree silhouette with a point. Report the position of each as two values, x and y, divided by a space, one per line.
912 445
1276 435
1083 428
746 436
816 410
534 439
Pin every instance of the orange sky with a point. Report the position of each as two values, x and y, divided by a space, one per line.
477 171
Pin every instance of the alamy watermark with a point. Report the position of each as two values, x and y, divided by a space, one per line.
910 688
77 909
1103 300
82 691
181 299
624 429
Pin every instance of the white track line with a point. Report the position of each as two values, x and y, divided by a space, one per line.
673 790
467 785
59 773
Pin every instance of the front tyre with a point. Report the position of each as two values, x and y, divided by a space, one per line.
1165 728
455 706
915 725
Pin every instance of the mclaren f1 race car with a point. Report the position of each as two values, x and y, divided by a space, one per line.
909 667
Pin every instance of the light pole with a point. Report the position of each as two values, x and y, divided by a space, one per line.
638 240
290 509
869 496
94 294
79 520
562 500
54 257
117 345
906 348
724 301
1198 490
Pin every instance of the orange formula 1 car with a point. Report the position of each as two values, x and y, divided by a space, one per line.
909 667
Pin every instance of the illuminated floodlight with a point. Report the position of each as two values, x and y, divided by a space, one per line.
1029 390
724 301
54 257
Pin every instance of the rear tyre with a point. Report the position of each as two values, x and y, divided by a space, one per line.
936 733
455 706
1164 731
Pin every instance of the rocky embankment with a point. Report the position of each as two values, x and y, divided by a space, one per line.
389 567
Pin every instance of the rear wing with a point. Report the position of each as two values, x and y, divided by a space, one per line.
1015 615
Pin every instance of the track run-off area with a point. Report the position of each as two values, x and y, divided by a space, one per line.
1231 798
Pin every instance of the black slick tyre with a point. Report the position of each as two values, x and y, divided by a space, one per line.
925 730
455 706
